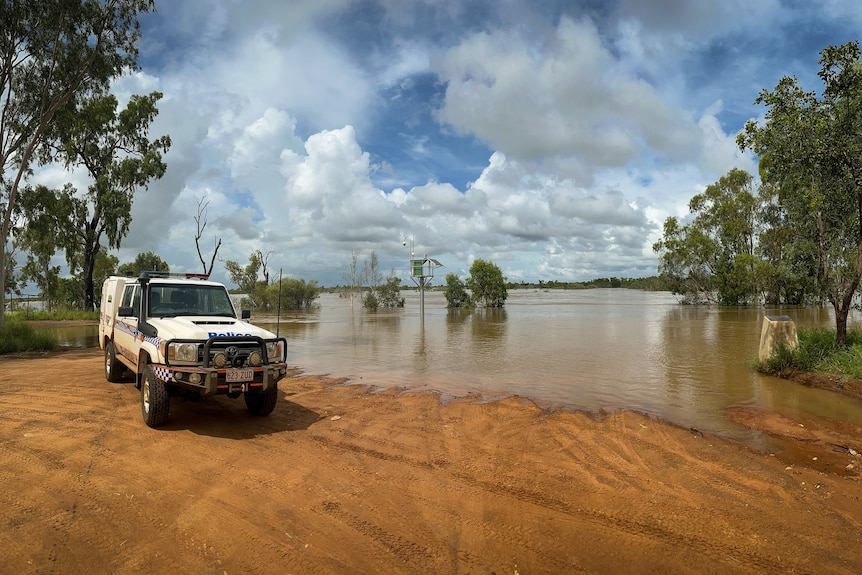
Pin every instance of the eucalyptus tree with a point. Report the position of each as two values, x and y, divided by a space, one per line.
246 278
39 241
115 150
106 265
714 257
789 256
728 212
144 261
687 261
813 146
51 51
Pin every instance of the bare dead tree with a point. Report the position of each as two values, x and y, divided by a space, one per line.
264 260
201 221
351 277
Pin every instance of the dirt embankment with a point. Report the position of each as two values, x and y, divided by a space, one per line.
842 385
340 479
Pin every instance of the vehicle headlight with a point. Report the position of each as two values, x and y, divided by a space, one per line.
275 351
183 352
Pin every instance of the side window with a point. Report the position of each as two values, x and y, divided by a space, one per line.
131 298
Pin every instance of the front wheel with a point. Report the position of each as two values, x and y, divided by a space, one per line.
113 367
263 402
155 400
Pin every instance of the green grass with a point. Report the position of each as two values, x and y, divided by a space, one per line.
818 351
17 335
56 315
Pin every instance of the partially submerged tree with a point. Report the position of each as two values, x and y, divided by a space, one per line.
487 284
456 292
713 258
246 278
813 147
294 294
51 51
379 291
371 279
389 292
352 279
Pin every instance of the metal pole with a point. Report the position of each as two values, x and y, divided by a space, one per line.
422 298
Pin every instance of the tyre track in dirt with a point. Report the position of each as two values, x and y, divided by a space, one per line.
344 479
640 528
412 487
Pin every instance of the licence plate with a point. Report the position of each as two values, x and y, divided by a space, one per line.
234 375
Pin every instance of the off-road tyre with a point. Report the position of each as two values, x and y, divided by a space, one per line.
262 402
113 367
155 399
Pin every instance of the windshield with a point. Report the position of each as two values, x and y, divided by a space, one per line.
189 299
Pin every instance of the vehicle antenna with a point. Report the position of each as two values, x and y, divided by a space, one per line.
278 312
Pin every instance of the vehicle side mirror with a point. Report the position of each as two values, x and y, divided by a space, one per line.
245 314
125 311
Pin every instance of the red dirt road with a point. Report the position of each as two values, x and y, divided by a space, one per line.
343 480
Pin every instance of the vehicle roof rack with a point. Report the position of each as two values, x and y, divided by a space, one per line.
187 275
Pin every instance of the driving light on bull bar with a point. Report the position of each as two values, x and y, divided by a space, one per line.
219 360
254 359
183 352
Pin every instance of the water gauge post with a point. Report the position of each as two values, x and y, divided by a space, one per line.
421 272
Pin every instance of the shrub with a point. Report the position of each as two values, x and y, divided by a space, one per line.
487 284
456 292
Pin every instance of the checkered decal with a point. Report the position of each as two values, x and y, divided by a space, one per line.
131 330
163 373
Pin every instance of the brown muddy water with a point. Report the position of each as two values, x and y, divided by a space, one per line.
589 350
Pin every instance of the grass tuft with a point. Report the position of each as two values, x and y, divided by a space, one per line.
56 315
818 351
16 335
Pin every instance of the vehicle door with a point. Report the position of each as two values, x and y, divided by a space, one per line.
126 333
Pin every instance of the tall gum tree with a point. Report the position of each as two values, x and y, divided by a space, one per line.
813 148
120 159
715 253
51 50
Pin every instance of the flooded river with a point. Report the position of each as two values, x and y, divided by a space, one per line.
592 350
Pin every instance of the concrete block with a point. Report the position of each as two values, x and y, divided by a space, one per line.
776 330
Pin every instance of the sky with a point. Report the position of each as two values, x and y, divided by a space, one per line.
552 138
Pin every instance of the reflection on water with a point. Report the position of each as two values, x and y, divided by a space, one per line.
590 350
76 336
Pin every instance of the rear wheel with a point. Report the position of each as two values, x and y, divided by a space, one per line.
155 400
113 368
262 402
